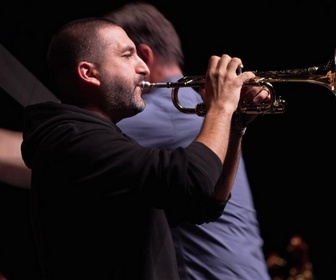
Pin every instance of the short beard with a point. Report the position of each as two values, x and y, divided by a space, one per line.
119 99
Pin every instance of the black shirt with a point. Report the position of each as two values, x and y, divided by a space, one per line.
100 201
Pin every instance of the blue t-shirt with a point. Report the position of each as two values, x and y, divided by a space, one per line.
231 247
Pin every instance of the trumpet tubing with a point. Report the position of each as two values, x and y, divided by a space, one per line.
323 75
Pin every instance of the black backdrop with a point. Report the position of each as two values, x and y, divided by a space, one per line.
290 157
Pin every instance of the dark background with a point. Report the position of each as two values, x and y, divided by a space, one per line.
290 157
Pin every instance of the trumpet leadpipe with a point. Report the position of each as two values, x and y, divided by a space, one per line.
188 81
146 84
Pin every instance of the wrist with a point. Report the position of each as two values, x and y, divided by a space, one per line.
238 130
238 125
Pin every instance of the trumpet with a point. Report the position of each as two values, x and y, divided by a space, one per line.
323 75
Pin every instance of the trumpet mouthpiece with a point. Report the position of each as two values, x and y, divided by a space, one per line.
146 84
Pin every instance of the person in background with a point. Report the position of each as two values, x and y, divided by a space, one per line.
18 256
231 247
99 199
13 170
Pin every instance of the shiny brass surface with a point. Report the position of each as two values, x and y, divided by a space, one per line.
323 75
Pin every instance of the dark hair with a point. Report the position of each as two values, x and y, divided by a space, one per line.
75 41
145 24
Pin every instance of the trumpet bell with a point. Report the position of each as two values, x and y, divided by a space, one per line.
323 75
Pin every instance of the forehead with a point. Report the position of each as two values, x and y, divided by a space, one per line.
116 37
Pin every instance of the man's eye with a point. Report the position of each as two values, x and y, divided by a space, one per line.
129 55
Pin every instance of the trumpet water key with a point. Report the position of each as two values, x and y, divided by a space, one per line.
323 75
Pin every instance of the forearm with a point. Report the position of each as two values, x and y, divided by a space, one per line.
13 170
230 166
215 133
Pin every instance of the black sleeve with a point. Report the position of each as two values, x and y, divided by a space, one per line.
203 208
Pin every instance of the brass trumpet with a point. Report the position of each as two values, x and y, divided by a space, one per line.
323 75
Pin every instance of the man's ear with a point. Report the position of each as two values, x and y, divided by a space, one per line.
88 73
146 54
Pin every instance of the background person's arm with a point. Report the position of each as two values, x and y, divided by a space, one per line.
13 170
